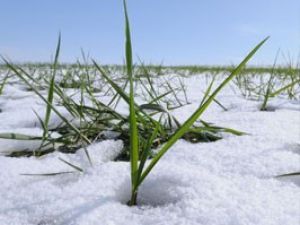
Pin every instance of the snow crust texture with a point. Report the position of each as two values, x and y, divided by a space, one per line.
228 182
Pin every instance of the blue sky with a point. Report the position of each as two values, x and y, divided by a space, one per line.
168 32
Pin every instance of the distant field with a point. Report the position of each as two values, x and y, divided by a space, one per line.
187 69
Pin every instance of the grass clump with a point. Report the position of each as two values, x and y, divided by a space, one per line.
138 172
140 130
281 82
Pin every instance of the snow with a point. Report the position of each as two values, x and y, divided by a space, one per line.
231 181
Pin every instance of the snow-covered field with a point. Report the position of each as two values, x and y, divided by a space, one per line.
230 181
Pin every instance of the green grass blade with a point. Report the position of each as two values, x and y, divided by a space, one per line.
269 86
208 90
154 107
46 174
40 121
189 122
15 136
160 96
146 152
112 83
72 165
3 83
134 136
51 89
284 88
289 174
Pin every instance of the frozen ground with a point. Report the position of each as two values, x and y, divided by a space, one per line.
230 181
